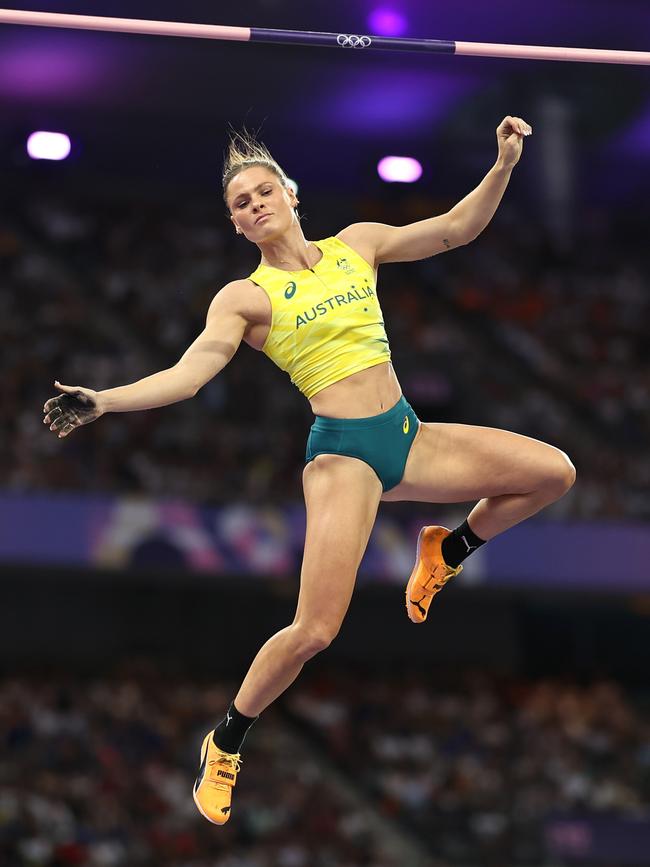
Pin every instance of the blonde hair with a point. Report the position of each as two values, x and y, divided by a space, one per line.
245 151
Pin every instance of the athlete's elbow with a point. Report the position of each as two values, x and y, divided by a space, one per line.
459 233
466 236
191 380
197 384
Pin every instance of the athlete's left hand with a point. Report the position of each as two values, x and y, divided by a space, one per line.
510 138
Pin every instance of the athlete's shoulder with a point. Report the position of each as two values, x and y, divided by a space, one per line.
237 288
360 238
242 296
235 292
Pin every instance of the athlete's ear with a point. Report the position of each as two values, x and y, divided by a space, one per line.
237 229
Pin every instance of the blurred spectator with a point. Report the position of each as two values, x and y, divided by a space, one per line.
100 774
476 766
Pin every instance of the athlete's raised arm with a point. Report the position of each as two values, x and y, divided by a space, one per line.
210 352
465 221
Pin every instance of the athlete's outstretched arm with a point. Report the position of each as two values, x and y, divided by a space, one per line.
458 226
209 354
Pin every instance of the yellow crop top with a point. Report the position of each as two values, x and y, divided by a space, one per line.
326 321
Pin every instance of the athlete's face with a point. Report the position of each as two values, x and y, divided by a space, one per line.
260 207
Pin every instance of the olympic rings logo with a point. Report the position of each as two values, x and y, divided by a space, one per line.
349 40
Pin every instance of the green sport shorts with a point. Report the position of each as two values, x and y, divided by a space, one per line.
382 441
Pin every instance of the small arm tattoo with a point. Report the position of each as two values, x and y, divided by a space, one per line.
445 241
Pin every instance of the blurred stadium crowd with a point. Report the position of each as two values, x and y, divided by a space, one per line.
507 332
474 767
98 773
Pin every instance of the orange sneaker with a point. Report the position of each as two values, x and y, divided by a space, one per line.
213 786
430 573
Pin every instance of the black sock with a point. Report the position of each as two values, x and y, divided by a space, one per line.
459 544
230 733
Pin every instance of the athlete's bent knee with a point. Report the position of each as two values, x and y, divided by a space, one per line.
562 474
312 639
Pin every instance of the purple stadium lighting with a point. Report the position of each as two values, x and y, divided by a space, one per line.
44 145
405 170
387 22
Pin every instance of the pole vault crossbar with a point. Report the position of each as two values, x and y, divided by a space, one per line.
356 42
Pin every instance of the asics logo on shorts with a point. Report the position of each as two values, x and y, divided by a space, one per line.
349 40
290 290
405 425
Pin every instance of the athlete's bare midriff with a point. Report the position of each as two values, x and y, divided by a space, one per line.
359 395
365 393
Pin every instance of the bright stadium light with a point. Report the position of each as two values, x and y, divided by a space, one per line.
44 145
405 170
387 22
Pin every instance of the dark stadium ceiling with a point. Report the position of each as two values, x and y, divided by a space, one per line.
160 106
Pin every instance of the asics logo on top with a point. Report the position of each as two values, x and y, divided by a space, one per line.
405 425
226 775
467 545
349 40
290 290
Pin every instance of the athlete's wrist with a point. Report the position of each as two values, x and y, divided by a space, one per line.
103 401
501 167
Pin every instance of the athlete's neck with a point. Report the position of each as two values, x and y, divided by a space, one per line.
290 252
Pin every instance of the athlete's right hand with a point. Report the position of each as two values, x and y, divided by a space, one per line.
76 406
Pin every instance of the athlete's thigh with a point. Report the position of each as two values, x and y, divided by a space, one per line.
452 463
341 497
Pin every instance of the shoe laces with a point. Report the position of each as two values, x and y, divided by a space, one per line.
449 573
230 760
